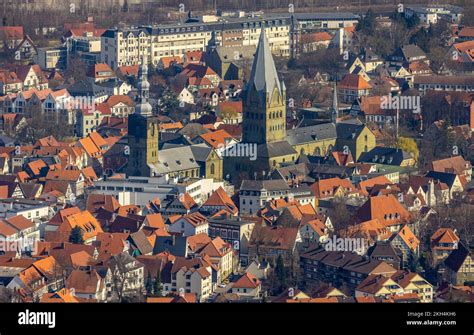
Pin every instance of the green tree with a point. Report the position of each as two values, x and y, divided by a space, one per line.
409 145
77 235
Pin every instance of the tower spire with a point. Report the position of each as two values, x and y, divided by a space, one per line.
264 75
143 107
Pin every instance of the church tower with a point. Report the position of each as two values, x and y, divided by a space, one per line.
264 99
143 130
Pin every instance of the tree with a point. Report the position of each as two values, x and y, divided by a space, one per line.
367 23
157 284
6 295
409 145
76 70
149 284
281 274
125 6
77 235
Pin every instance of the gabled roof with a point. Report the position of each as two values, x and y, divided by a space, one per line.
456 164
248 280
96 201
327 187
88 224
217 139
365 185
354 81
66 175
11 33
443 236
282 238
84 282
220 198
386 208
409 238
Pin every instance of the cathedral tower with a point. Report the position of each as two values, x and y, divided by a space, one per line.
143 130
264 99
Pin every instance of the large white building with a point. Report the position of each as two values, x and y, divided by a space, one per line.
141 190
121 47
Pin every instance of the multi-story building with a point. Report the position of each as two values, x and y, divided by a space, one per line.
338 267
444 83
122 47
431 14
52 58
254 194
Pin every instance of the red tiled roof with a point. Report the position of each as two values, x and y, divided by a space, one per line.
248 280
354 81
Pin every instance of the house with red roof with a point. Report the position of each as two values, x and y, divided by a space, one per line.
88 224
407 242
101 72
11 37
121 105
218 140
266 242
166 62
189 224
127 71
333 187
88 285
387 209
43 276
219 200
315 41
442 243
74 178
456 164
18 232
230 112
32 77
247 286
9 82
352 87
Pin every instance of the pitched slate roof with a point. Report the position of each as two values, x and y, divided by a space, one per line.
263 76
311 133
275 149
175 159
269 185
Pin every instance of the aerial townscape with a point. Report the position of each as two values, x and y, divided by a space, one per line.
236 151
